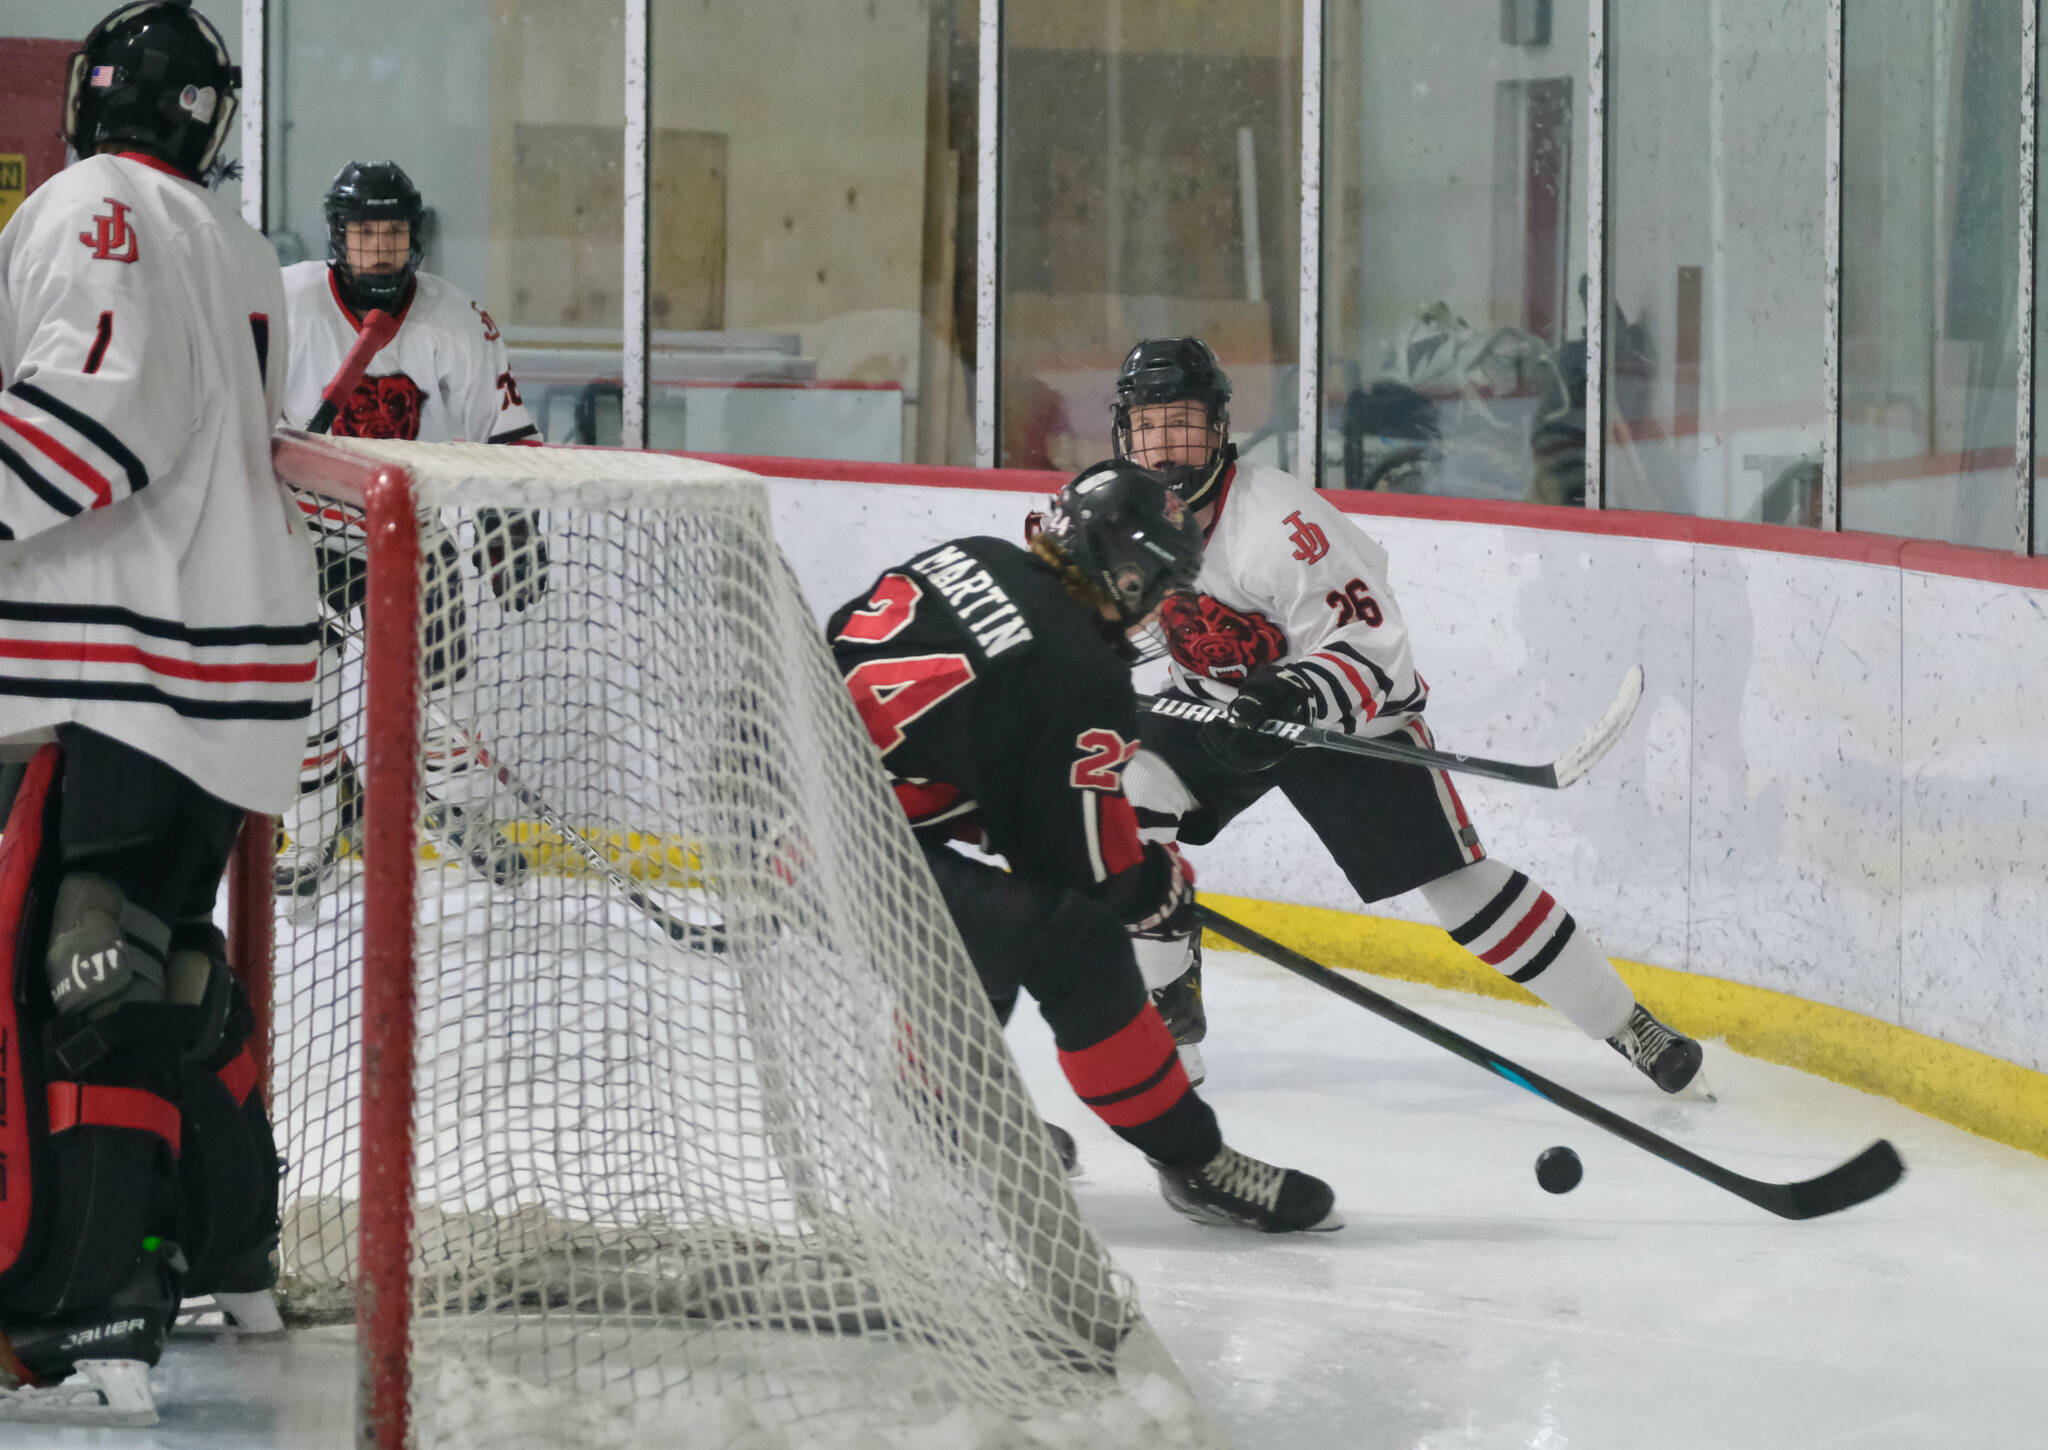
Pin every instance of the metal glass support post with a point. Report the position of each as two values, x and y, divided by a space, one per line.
1596 254
1308 392
987 227
2023 328
255 77
639 191
1831 283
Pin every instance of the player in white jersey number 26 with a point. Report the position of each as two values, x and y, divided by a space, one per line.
157 653
444 377
1291 619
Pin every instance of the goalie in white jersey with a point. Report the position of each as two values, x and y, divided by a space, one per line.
443 378
1291 619
157 624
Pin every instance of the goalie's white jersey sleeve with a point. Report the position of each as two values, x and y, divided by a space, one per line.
156 583
1287 577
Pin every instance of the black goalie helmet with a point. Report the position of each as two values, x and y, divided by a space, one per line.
1128 534
377 191
1176 370
156 76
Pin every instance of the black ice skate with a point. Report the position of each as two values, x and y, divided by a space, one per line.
92 1367
1180 1003
1070 1152
1666 1058
312 865
495 856
244 1301
1233 1190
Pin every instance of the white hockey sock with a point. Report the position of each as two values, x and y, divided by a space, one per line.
1517 928
1161 799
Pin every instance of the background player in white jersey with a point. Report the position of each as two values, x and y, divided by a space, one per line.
1291 619
444 377
157 622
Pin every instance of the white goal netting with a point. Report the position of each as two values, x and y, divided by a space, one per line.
715 1138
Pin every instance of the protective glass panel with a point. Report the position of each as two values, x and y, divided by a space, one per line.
1454 224
812 268
1717 185
1930 161
508 118
1151 188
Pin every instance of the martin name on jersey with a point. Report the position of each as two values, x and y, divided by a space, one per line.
1287 578
156 584
993 698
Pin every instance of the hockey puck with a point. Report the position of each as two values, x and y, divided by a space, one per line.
1559 1170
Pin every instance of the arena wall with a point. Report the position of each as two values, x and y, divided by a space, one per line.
1833 788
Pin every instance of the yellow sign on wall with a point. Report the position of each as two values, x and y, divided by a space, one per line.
13 184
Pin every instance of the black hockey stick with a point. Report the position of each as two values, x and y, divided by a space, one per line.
1862 1178
1567 769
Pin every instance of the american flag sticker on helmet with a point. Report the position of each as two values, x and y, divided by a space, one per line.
102 75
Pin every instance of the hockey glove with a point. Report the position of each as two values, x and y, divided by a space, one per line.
511 553
1172 915
1273 692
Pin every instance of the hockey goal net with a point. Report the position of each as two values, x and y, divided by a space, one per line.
631 1079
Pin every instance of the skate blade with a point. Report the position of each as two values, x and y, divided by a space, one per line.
1191 1062
230 1314
100 1392
1699 1089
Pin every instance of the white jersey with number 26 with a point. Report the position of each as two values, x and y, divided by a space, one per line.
1288 578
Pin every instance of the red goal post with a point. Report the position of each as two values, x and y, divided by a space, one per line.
630 1065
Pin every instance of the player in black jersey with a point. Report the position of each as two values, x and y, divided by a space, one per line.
995 682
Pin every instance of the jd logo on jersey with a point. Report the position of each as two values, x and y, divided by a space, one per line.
112 239
1309 540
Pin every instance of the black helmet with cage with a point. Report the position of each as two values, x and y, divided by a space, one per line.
154 77
1126 535
1177 370
376 191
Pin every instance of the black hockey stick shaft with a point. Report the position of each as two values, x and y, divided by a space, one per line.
1862 1178
1551 775
377 330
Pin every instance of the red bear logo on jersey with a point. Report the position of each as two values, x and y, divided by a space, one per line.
386 407
1210 638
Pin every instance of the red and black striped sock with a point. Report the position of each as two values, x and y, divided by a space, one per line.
1133 1081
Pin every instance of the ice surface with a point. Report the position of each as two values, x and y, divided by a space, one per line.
1463 1308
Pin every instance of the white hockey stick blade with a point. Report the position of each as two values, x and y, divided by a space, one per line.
109 1392
230 1314
1609 728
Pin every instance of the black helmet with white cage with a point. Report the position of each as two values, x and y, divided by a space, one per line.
1127 534
1176 370
375 191
155 77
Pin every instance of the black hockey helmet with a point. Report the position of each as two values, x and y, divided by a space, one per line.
1174 370
377 191
1127 534
155 75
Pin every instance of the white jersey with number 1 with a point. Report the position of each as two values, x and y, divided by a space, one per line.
156 585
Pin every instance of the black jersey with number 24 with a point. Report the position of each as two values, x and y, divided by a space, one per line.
997 701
